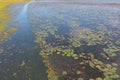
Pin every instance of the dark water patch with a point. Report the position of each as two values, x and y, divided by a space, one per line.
93 73
95 49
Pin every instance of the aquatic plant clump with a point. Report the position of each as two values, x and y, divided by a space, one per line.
109 70
51 74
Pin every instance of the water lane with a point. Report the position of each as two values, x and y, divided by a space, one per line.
21 60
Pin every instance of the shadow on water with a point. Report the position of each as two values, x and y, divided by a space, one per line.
21 60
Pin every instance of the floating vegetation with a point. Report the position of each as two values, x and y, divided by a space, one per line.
0 62
80 36
4 33
1 51
108 70
111 50
64 73
22 64
80 79
51 74
4 20
14 74
64 37
98 78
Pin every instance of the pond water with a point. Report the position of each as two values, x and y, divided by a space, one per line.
67 31
63 42
20 58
